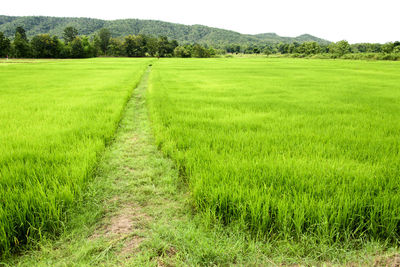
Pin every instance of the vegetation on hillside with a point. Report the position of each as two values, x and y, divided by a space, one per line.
184 34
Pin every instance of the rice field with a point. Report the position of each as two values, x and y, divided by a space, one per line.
56 116
287 148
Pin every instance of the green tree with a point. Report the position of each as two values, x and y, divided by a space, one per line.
237 49
104 38
165 47
199 51
115 47
20 46
256 50
293 47
332 48
135 46
396 48
182 51
88 48
268 50
374 48
60 47
44 46
22 33
340 48
69 34
309 48
213 52
130 46
152 46
229 48
76 48
5 45
343 47
388 48
283 48
249 49
359 48
233 48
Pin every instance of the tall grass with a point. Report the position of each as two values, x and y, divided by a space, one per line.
55 118
285 147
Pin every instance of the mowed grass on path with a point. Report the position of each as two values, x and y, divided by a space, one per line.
286 148
56 117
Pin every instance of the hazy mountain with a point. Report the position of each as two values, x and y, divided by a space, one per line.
182 33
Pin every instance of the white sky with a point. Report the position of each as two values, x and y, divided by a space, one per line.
352 20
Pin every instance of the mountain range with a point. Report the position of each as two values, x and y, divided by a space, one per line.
184 34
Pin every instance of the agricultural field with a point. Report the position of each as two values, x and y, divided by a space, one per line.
286 148
283 161
56 116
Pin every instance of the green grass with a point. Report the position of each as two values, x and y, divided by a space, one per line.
286 148
56 117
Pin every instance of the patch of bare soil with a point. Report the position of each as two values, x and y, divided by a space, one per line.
392 261
131 245
123 224
120 224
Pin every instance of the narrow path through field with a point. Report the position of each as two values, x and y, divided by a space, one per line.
128 223
133 189
143 188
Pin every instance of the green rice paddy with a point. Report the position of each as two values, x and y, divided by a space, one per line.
55 118
287 148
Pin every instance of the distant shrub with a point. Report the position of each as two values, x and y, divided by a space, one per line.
372 56
353 56
297 55
322 56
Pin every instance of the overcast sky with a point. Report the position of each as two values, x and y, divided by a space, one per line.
352 20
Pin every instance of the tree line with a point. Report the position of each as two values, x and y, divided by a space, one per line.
73 45
333 50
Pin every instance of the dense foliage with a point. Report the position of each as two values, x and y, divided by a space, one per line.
341 49
184 34
285 148
102 44
73 45
5 45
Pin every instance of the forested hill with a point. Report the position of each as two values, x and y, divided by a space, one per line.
182 33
